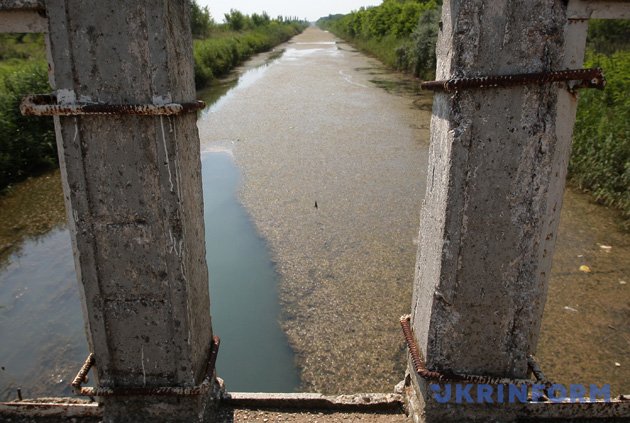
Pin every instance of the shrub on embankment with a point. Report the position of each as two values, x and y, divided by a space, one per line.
600 159
27 144
400 33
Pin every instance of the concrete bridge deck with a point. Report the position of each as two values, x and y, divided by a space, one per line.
257 407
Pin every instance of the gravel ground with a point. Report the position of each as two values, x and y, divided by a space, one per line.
244 415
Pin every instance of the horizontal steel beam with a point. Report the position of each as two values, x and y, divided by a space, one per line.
25 19
22 5
605 9
23 16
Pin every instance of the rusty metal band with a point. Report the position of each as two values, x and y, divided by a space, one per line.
536 370
46 105
434 376
581 78
176 391
81 377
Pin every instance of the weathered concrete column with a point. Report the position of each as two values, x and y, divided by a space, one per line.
498 161
133 194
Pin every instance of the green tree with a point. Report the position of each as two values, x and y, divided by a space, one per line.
424 39
235 20
201 21
260 20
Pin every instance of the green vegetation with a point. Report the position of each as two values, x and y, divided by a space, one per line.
600 160
401 33
237 40
27 144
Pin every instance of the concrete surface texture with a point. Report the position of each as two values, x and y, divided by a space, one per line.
489 218
133 194
497 170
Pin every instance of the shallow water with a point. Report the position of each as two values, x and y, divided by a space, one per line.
255 355
326 124
41 324
314 129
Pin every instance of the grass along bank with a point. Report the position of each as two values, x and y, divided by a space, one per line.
600 158
216 55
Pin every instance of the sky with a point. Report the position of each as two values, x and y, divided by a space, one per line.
311 9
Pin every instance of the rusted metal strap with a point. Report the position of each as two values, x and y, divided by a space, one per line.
82 376
177 391
423 372
576 78
46 105
537 371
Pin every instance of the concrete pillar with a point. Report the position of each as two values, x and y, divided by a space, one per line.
498 161
133 193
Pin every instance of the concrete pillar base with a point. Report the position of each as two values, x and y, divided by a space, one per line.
423 408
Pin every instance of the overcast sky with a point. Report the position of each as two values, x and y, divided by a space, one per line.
310 9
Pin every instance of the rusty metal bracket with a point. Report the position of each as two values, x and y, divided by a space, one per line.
575 78
446 376
46 105
177 391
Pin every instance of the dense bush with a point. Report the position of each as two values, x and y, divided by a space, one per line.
608 36
27 144
600 161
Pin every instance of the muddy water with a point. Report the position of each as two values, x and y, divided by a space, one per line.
314 130
41 325
323 123
255 355
333 154
585 336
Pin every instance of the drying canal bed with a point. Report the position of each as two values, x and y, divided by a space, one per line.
318 127
321 123
333 176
